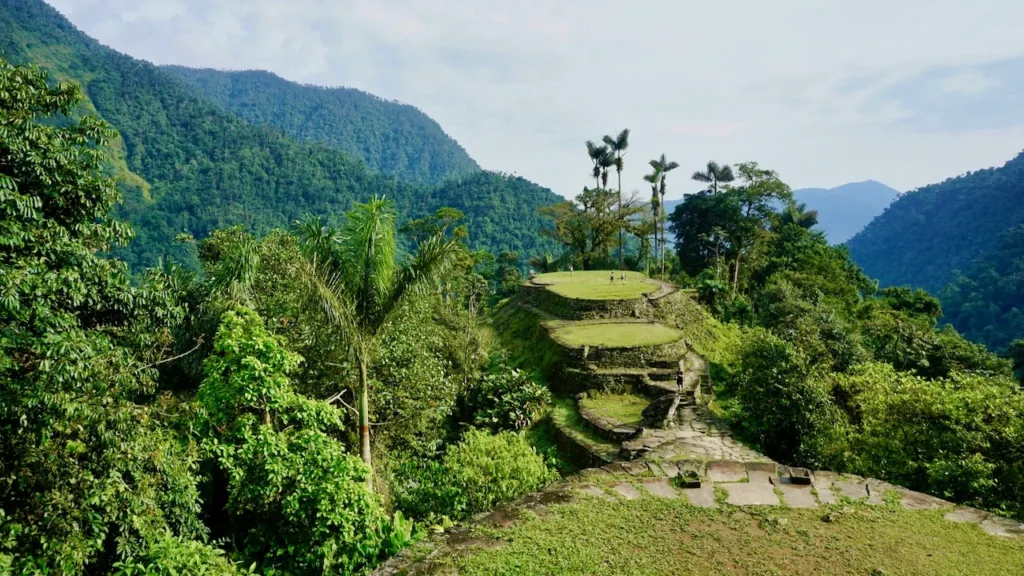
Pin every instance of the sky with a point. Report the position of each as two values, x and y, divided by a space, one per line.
906 92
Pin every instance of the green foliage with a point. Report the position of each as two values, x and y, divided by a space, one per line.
505 398
187 165
389 137
986 304
92 471
280 459
170 556
476 474
928 233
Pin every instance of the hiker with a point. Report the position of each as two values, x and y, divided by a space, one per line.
623 277
532 275
679 380
570 269
611 279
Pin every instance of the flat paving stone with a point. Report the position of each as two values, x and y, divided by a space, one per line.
750 494
635 467
615 468
760 476
1001 526
852 490
661 488
726 471
703 496
825 494
796 496
917 501
877 489
591 490
627 491
968 515
655 469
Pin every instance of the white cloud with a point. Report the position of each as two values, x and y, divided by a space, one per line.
796 85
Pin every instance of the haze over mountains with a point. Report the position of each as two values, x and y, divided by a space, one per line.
190 163
842 211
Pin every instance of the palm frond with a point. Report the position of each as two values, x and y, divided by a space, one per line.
324 285
367 253
670 166
702 177
435 258
725 174
234 274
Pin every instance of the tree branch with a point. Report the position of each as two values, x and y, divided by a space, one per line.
173 358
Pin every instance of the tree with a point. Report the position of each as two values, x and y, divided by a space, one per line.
797 213
353 277
587 226
756 197
92 469
654 178
598 154
714 175
662 166
618 146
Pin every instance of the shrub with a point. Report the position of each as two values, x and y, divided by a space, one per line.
172 556
505 399
299 501
473 476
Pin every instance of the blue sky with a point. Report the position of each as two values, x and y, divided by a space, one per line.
907 92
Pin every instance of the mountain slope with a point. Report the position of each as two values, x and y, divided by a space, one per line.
845 210
390 137
187 165
842 211
930 232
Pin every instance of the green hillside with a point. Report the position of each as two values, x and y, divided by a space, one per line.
928 233
186 165
390 137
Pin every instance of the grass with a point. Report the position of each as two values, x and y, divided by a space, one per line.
613 335
563 413
623 408
595 285
661 536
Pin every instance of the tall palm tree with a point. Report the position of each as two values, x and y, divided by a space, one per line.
606 162
353 278
797 213
654 178
714 175
597 153
663 166
618 146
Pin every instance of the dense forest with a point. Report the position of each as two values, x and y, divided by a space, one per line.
986 302
187 166
389 137
930 232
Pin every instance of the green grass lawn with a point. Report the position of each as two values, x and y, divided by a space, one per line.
613 335
654 536
623 408
594 285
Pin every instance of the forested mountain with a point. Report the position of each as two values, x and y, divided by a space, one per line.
186 165
845 210
932 231
986 303
390 137
842 211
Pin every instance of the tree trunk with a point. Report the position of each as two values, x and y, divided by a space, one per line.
364 419
663 238
736 271
621 223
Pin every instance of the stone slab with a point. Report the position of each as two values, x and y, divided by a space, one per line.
852 490
767 467
825 494
615 468
877 490
703 496
661 487
635 467
726 471
1001 526
627 491
655 469
917 501
751 494
762 476
966 514
671 469
797 496
591 490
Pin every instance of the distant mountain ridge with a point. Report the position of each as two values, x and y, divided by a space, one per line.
842 211
930 232
187 165
391 137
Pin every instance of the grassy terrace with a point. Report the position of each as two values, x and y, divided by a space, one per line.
594 285
623 408
612 334
662 536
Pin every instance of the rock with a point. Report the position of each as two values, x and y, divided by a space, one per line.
727 471
627 491
661 412
751 494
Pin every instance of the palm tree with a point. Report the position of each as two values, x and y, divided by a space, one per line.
797 213
618 146
353 278
654 178
663 166
606 161
597 154
714 175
